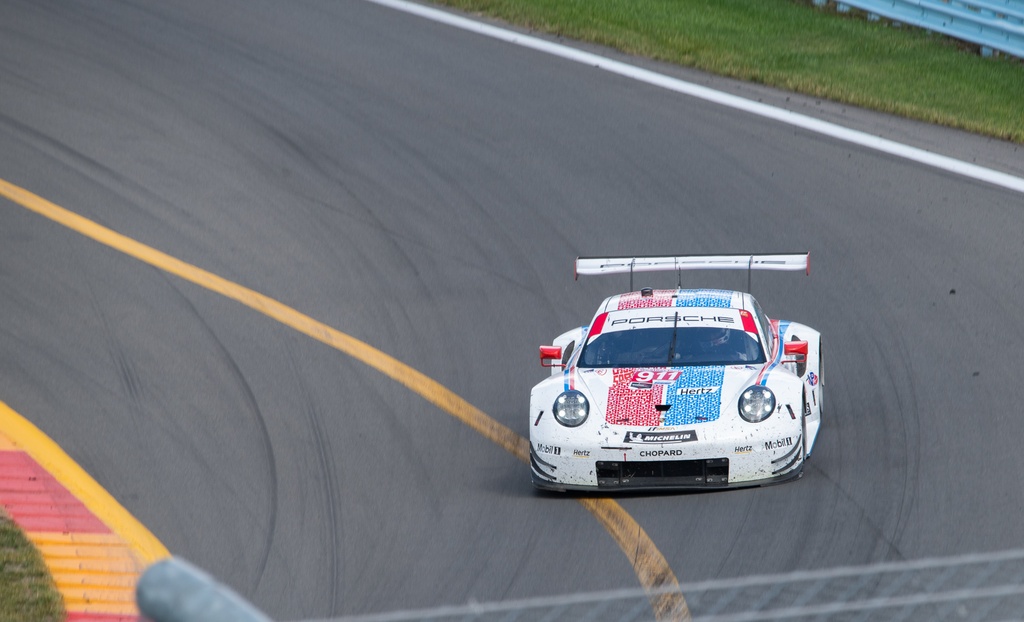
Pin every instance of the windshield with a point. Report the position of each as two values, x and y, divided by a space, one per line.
672 346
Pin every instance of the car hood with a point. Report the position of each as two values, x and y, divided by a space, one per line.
672 396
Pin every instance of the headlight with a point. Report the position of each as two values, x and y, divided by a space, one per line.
757 403
571 408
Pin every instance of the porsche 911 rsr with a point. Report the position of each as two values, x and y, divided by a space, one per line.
677 388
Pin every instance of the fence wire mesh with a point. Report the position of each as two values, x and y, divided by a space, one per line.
986 586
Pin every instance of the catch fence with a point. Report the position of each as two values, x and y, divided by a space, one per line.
986 586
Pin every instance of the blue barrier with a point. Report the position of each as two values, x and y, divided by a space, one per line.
991 24
173 590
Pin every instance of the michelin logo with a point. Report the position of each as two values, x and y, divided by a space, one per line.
684 436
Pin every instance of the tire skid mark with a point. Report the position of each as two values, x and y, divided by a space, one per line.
842 495
651 568
130 381
325 461
910 422
268 448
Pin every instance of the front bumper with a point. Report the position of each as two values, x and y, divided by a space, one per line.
608 469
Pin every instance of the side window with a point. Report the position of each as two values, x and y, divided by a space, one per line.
766 327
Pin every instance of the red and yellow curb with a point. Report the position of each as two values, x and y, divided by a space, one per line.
95 550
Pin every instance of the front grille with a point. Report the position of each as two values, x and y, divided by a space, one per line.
713 472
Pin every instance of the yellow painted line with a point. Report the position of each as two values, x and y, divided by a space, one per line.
650 566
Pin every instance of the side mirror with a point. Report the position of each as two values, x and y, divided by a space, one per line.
551 353
796 349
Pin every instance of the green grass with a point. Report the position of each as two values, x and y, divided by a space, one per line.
27 592
792 45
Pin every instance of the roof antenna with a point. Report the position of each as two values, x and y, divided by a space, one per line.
679 273
632 262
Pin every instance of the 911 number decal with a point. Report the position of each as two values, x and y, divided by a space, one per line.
659 377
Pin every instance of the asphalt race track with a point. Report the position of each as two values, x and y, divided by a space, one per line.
425 190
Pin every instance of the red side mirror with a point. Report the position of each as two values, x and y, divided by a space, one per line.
551 352
797 349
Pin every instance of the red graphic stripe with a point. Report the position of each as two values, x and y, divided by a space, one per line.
635 300
628 406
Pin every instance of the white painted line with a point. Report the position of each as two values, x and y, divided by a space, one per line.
796 119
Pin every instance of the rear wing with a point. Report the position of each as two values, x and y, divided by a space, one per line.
621 265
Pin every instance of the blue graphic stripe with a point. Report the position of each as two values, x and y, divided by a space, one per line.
696 397
783 328
711 298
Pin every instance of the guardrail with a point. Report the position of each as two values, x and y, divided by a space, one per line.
174 590
991 24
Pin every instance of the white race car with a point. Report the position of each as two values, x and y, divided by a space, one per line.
677 388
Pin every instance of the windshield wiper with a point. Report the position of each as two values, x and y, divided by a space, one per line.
675 331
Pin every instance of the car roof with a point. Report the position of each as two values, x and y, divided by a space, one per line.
652 298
